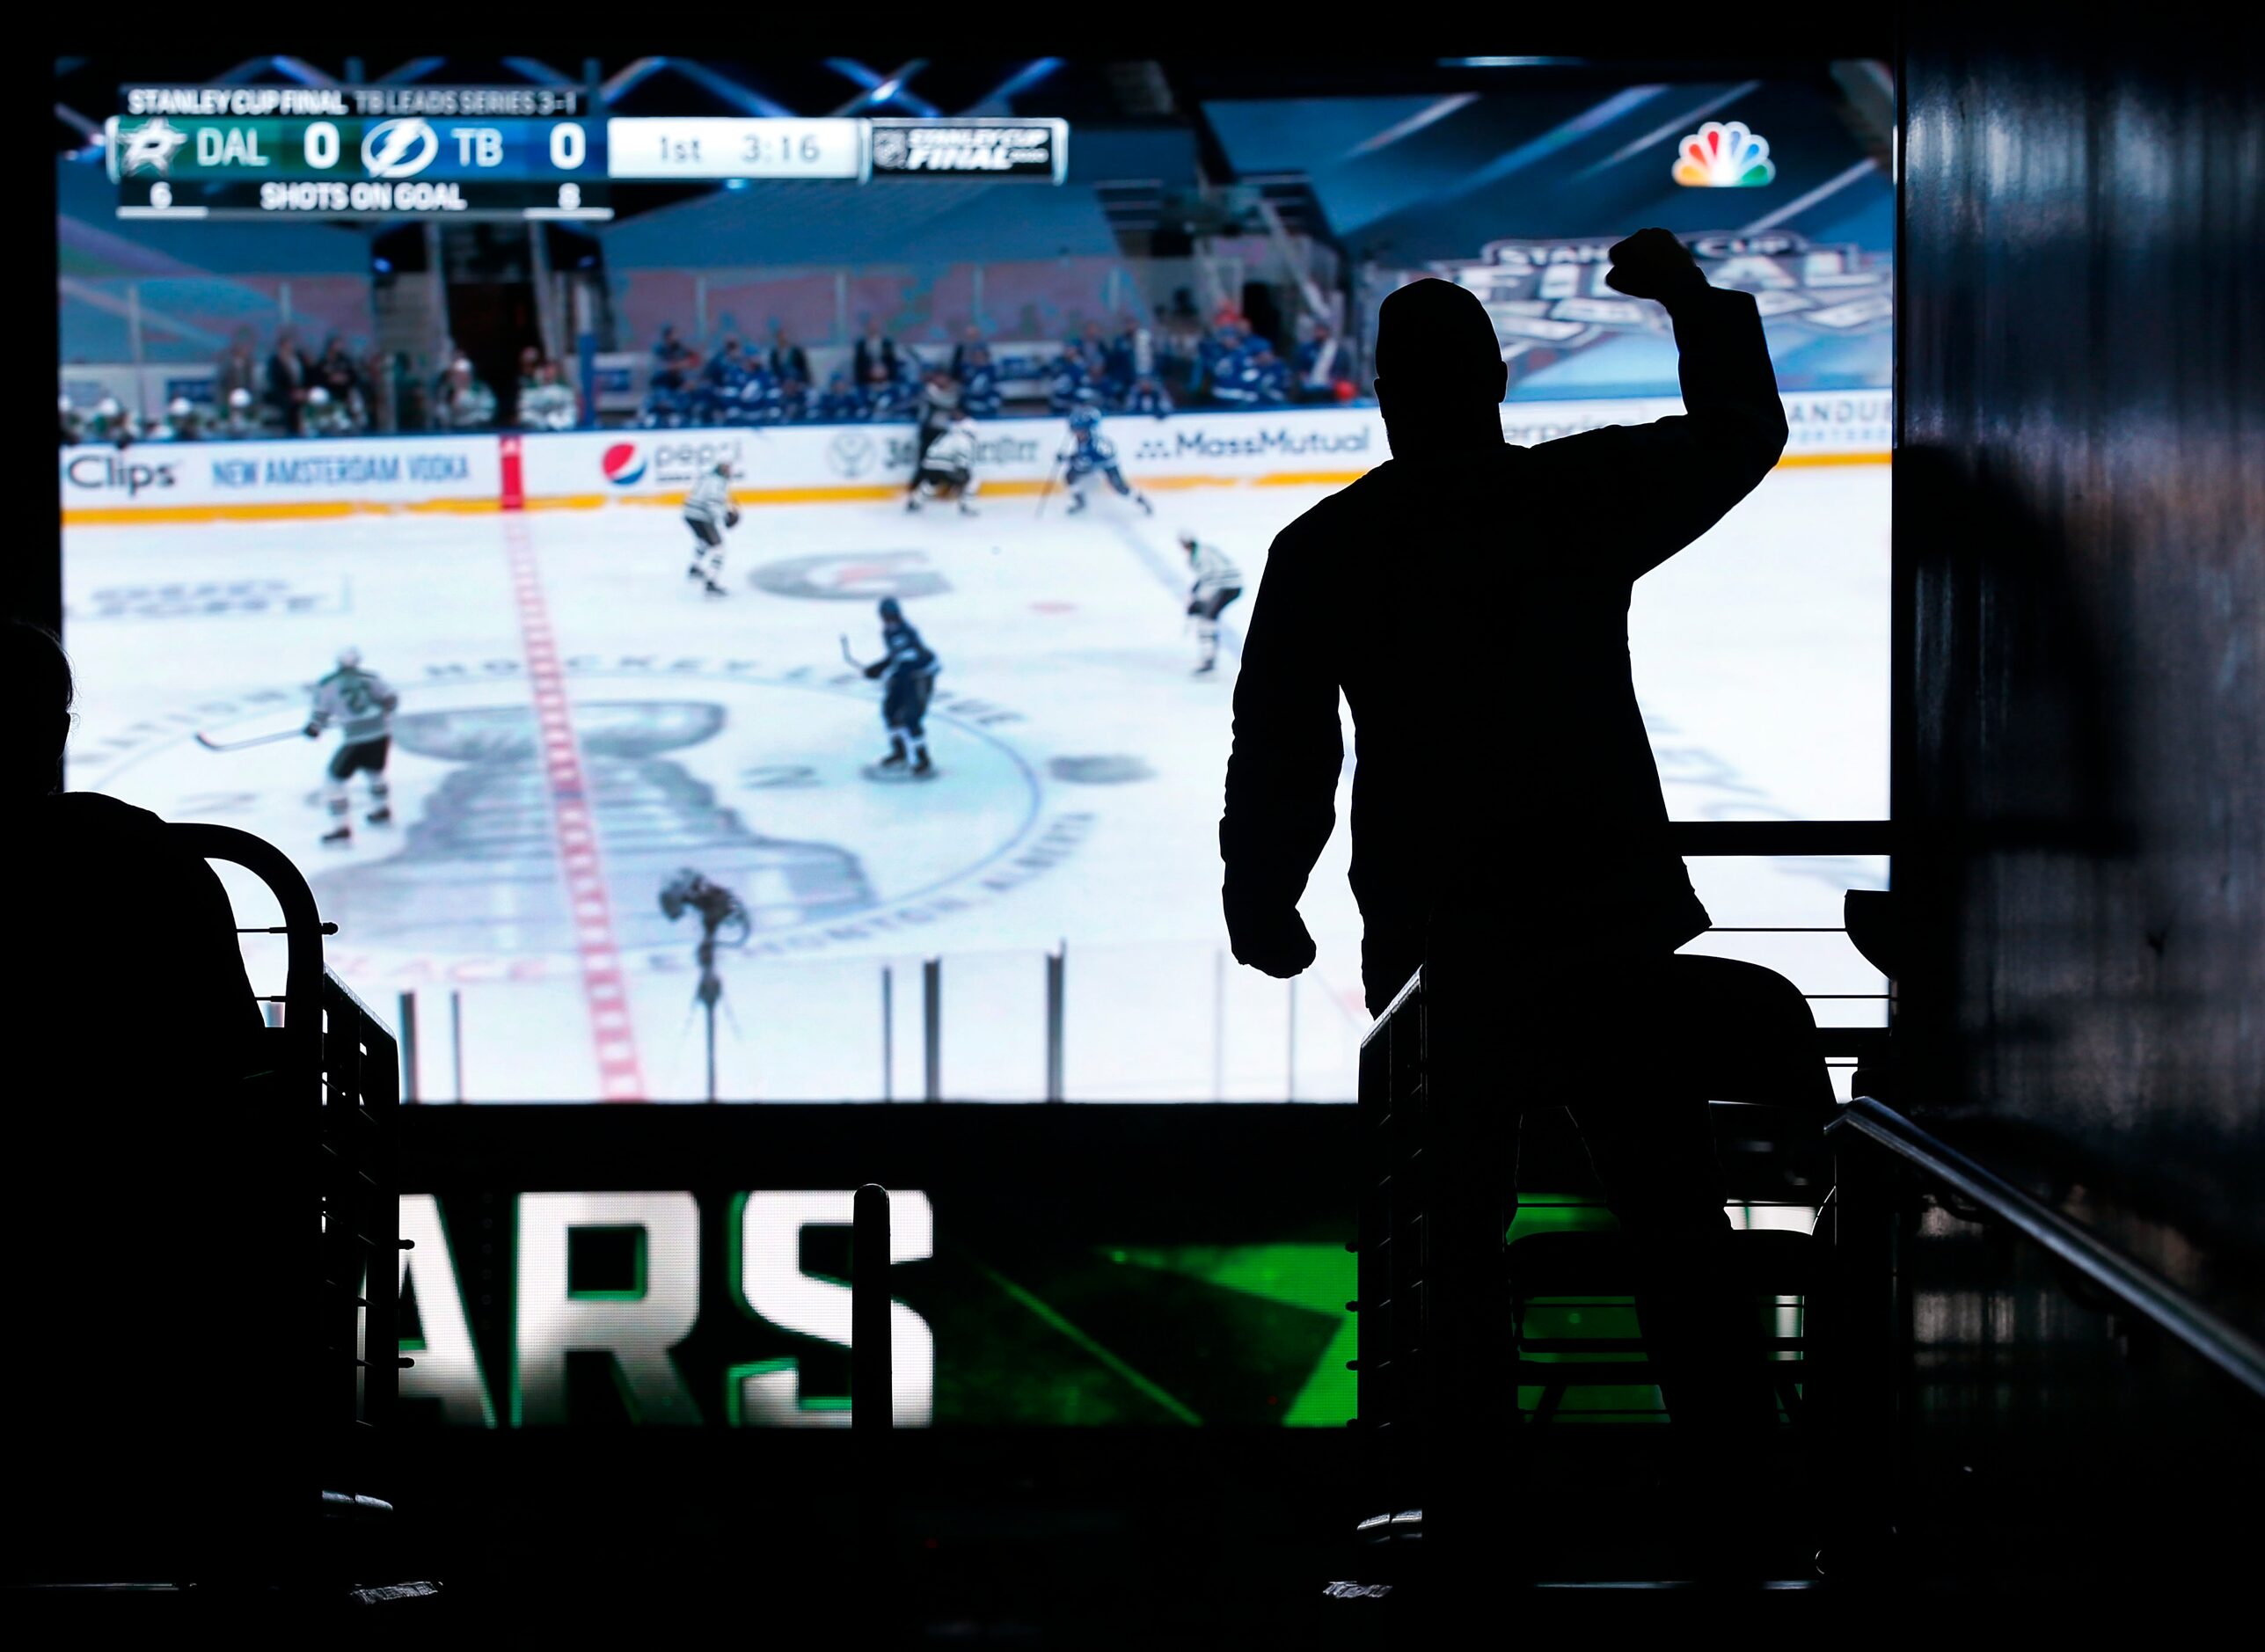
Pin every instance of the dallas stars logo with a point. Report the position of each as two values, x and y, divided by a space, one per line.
150 147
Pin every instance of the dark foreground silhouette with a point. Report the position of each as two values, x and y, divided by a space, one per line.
1470 598
138 1364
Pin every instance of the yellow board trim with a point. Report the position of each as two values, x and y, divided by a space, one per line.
868 492
286 510
1796 461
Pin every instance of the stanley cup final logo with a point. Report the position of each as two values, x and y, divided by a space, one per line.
479 872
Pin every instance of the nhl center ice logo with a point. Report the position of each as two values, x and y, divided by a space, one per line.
851 453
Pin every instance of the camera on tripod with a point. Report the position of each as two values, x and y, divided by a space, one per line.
722 918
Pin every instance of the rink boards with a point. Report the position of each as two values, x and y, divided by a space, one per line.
555 659
256 480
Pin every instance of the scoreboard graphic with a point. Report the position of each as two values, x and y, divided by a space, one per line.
224 166
498 152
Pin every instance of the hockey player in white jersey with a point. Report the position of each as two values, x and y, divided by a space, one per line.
708 511
1217 583
947 469
360 705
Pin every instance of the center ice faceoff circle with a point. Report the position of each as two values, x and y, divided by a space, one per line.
757 782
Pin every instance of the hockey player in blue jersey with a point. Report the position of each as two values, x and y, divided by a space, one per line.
1253 376
979 381
1149 395
1090 453
758 401
840 404
1069 383
898 398
908 678
717 398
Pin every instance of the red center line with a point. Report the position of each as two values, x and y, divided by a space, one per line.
575 831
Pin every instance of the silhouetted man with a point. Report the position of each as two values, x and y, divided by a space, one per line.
101 894
142 1357
1470 598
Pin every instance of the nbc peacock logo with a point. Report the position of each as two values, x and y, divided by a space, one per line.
1725 155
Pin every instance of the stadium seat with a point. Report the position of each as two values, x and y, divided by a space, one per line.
1742 1032
1556 1279
1746 1034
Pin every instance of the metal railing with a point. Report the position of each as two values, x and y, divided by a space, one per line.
1762 839
2134 1287
330 1052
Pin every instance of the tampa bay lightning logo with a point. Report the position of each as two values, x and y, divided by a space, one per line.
400 149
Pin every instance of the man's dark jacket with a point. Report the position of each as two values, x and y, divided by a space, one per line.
154 1313
1472 605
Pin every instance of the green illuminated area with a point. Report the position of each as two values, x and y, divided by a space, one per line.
1550 1319
1196 1336
1018 1329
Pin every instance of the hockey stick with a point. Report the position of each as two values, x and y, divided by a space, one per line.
210 744
851 658
1047 492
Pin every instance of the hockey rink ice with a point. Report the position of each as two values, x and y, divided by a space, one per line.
557 668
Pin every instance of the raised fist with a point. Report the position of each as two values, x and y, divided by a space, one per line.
1267 936
1652 264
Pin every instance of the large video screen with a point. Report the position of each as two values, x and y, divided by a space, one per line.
489 493
701 1275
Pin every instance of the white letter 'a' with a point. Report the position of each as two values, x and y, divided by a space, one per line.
774 1286
446 1366
638 1329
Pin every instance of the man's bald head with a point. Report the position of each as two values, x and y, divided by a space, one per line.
1435 341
